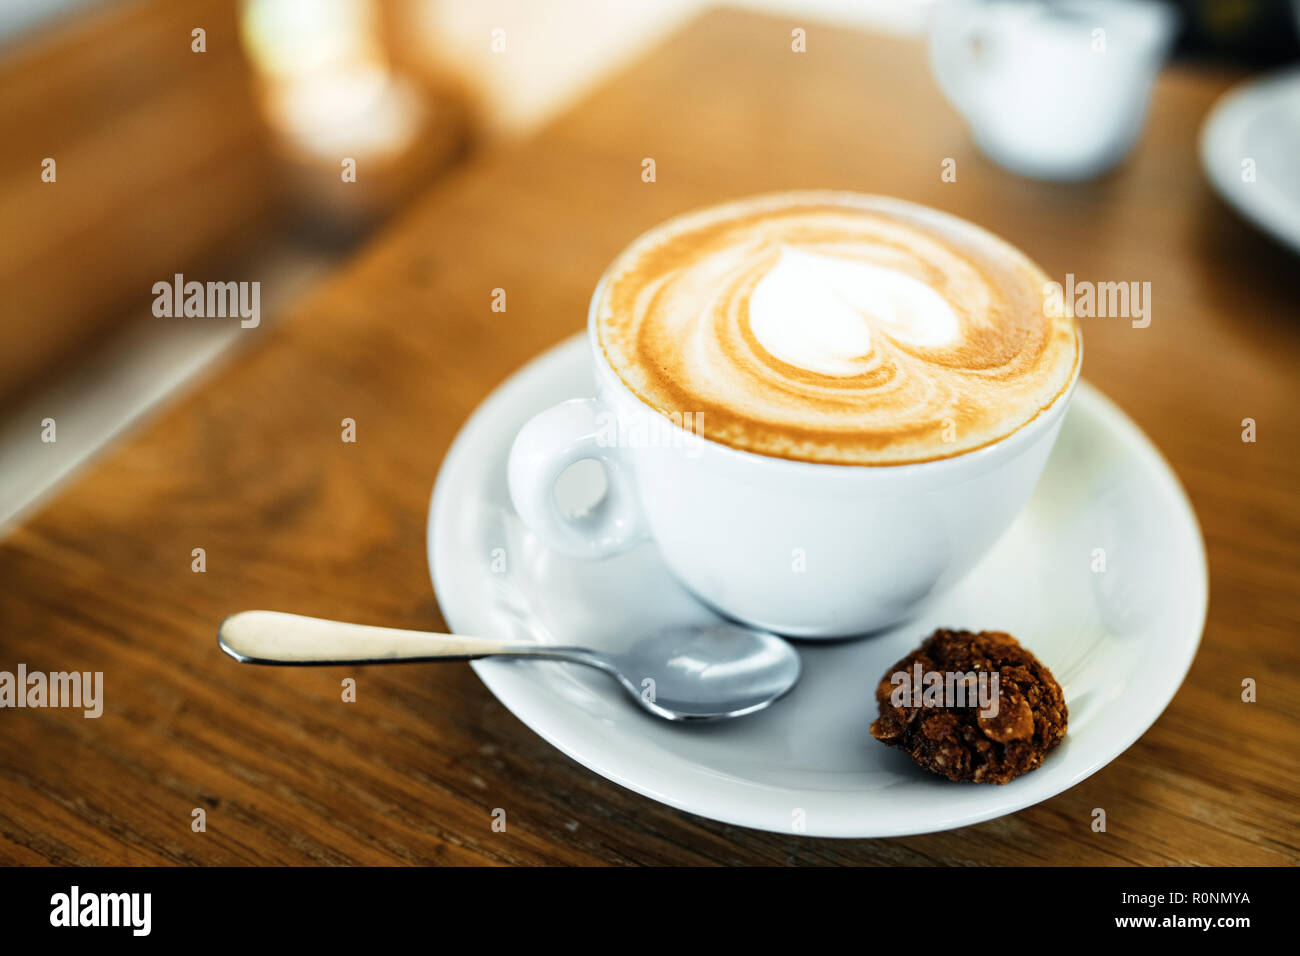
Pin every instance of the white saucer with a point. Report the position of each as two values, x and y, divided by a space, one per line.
1119 642
1258 120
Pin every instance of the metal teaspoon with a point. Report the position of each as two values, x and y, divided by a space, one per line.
687 672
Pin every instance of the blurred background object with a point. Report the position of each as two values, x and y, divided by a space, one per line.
159 165
1254 32
172 147
1052 90
1250 150
504 50
220 140
340 109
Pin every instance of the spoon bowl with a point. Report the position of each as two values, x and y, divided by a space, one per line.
707 672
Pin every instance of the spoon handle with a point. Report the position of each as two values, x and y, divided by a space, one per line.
272 637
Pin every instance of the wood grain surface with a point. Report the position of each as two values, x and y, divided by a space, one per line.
250 467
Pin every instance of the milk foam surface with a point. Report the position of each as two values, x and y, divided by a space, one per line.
835 327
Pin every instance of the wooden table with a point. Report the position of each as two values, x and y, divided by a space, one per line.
250 467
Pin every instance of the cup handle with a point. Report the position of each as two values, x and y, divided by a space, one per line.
549 443
952 52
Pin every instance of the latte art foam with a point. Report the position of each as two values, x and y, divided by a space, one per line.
837 328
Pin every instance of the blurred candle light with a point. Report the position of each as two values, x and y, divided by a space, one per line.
361 110
330 94
288 39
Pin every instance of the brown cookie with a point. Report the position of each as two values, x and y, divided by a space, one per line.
948 731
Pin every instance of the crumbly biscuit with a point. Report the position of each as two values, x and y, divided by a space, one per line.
956 741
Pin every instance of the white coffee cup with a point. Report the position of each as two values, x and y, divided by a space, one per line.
802 549
1051 90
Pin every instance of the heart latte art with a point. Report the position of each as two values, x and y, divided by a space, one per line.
837 328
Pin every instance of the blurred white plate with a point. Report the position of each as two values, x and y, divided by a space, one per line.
1119 641
1258 122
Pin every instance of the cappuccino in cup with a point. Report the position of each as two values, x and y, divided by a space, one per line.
841 330
875 387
